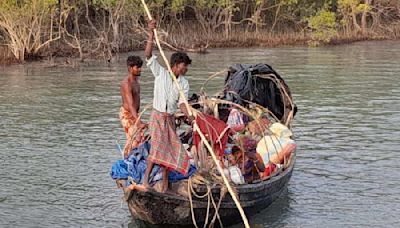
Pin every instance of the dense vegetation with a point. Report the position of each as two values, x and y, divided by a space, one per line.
104 28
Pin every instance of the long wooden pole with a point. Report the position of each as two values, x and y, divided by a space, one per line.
196 127
221 171
166 61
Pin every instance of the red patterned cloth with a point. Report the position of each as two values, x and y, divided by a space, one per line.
127 120
134 130
166 147
211 129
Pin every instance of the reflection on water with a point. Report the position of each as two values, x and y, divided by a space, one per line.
58 128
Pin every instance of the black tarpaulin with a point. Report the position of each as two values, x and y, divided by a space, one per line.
259 84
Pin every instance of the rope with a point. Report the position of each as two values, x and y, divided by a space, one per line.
221 171
190 192
216 215
210 198
211 77
285 92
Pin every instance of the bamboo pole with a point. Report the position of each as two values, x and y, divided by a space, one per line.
196 127
166 61
221 171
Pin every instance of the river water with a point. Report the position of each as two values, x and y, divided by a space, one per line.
59 125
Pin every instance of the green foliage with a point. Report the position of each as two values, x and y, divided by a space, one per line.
258 2
323 25
209 4
7 5
348 3
363 8
18 24
349 11
353 6
154 3
27 25
178 6
204 4
289 2
134 8
104 2
22 12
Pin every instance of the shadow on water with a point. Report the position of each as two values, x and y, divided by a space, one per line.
142 224
272 216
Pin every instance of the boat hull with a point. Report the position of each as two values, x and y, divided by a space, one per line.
167 209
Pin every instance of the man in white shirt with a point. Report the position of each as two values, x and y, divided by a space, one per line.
166 147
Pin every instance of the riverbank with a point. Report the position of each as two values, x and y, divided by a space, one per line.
189 43
6 56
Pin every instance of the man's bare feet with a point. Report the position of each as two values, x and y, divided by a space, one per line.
146 185
120 183
138 187
147 173
164 187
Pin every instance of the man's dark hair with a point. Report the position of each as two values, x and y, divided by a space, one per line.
134 60
180 57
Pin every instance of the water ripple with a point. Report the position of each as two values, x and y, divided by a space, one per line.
58 129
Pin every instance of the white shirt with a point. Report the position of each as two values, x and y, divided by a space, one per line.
166 94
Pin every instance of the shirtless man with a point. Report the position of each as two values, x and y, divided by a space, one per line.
129 111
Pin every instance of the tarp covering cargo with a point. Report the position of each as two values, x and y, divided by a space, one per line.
259 84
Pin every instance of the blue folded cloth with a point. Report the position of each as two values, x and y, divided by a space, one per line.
135 166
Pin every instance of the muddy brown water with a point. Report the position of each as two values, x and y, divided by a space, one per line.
58 127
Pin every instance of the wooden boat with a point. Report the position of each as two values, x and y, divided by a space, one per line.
176 209
171 209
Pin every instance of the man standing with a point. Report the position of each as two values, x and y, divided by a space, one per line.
128 114
166 147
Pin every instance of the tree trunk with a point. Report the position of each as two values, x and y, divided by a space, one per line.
355 23
364 17
375 20
276 17
228 23
364 22
21 55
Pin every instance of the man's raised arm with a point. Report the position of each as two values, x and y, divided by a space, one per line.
149 46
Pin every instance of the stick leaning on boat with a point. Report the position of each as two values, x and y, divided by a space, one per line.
196 127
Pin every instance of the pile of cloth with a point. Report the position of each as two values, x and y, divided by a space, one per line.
247 131
134 166
248 150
